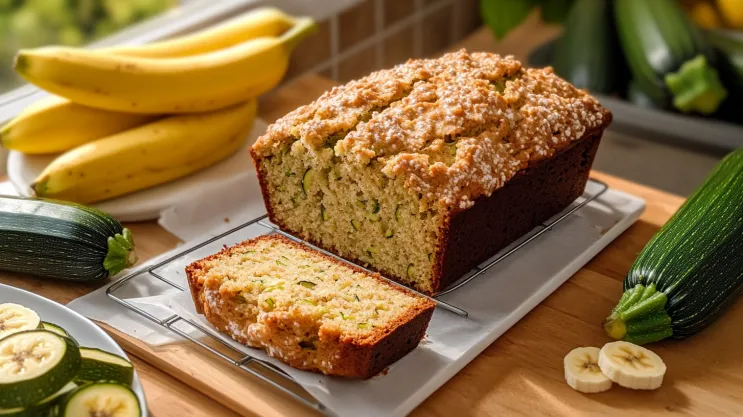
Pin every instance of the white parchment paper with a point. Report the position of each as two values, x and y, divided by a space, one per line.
494 301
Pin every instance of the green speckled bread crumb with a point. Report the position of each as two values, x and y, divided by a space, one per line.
307 309
379 170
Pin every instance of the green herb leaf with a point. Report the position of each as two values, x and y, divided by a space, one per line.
307 284
503 15
555 11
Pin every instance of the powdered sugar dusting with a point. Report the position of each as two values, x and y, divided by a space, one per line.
453 128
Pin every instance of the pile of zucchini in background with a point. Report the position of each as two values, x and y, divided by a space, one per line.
45 373
678 55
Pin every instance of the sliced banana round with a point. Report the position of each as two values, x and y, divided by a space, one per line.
101 399
35 364
582 370
15 318
632 366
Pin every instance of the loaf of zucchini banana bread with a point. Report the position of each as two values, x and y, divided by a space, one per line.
307 309
424 170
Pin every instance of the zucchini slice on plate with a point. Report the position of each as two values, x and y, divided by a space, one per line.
35 364
101 399
55 329
98 365
41 409
15 318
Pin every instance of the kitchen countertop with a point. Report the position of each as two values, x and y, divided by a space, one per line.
521 373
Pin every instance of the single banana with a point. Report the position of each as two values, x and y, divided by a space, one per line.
632 366
55 125
732 12
146 156
265 21
582 370
171 85
15 318
705 15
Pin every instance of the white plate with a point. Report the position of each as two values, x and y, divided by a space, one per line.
146 204
82 329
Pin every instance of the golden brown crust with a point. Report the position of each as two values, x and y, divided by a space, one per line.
356 357
494 118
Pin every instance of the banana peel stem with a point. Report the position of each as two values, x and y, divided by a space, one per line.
303 28
696 87
121 253
20 63
39 187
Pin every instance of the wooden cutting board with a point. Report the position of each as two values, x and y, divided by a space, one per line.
521 373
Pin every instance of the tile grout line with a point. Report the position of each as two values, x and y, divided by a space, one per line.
379 29
456 30
418 28
334 46
337 57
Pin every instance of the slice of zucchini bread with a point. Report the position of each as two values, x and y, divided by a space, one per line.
424 170
307 309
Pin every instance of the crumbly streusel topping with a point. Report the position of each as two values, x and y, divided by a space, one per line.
454 128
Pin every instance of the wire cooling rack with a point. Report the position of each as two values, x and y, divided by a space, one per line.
268 372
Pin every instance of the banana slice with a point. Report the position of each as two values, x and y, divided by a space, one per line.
15 318
582 370
632 366
102 399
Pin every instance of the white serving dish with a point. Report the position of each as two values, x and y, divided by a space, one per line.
82 329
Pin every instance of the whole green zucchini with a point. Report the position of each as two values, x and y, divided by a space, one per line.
586 53
730 47
640 98
668 55
692 269
62 240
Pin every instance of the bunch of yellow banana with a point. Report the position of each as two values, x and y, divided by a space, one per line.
713 14
132 117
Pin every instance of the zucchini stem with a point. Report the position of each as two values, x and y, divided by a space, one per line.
121 253
696 87
640 316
